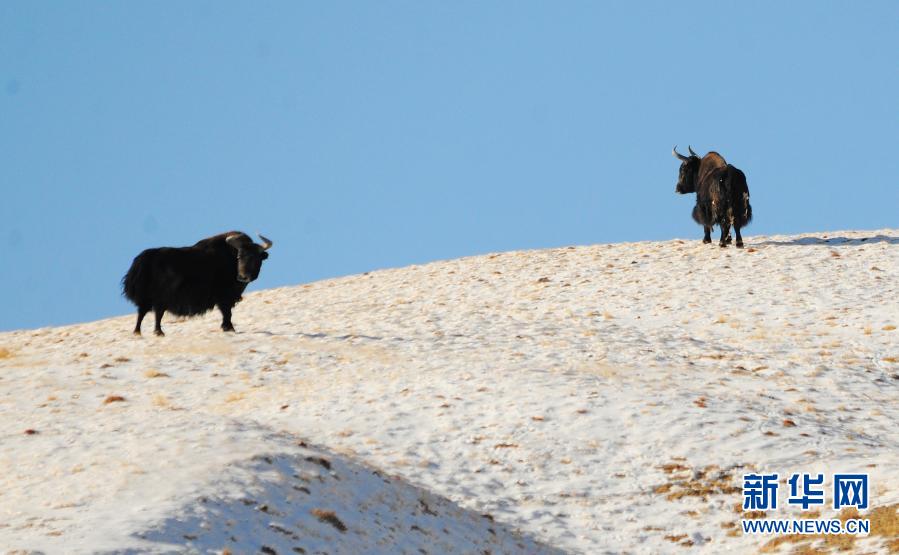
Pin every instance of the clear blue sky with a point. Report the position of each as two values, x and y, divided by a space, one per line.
364 135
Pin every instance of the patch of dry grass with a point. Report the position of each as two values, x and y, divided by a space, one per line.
113 399
236 396
703 482
154 373
884 523
5 353
680 539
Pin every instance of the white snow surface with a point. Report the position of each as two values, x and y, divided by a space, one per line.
514 402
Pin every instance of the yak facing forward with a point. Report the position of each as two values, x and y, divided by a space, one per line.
722 195
189 281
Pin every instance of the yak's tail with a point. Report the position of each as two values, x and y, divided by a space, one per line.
742 193
134 279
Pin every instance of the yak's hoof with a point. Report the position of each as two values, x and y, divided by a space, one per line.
706 241
739 244
729 240
136 333
159 333
228 328
722 244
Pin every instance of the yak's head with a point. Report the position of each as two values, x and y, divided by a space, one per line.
249 255
689 170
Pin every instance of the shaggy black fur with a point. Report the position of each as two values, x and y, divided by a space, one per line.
188 281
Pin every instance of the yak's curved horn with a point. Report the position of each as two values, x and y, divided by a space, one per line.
266 243
234 240
690 148
678 155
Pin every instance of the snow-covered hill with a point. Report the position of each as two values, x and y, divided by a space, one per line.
589 399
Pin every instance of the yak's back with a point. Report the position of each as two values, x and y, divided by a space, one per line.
710 163
178 278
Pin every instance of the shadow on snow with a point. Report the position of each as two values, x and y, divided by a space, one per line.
833 241
310 500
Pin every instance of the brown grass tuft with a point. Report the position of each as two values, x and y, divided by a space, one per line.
671 468
113 399
888 327
5 353
680 539
330 517
154 373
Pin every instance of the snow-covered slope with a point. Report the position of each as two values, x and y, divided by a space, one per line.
587 399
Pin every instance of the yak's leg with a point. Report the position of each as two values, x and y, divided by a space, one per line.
141 312
729 239
707 234
725 231
739 237
226 318
158 311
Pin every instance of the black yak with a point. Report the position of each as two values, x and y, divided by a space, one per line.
189 281
722 195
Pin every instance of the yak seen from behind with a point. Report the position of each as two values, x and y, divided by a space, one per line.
722 194
189 281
